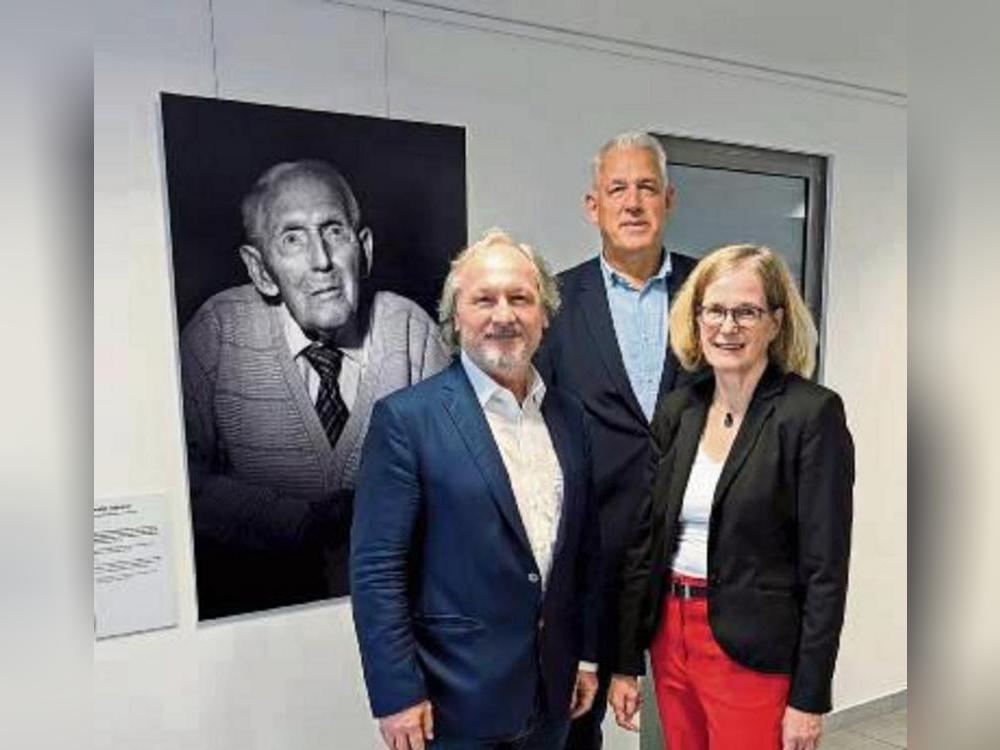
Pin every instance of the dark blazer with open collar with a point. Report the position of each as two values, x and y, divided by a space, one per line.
580 353
779 532
447 599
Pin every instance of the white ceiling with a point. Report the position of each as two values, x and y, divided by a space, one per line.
856 42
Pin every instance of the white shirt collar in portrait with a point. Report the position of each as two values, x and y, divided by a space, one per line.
351 368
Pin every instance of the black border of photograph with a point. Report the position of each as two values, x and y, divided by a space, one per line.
284 349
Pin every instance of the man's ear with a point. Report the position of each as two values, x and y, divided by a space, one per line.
669 198
365 238
590 207
258 272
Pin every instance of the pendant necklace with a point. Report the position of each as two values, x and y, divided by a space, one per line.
728 418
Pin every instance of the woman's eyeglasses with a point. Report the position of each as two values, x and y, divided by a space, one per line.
744 316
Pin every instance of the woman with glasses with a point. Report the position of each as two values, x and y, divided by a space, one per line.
737 575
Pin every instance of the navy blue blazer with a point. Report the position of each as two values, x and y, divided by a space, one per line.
448 603
580 353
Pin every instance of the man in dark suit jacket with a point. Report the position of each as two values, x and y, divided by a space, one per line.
608 345
475 544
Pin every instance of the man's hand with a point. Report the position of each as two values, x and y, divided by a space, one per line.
800 730
583 693
623 695
408 729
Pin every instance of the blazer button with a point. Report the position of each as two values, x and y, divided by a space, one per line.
534 577
541 623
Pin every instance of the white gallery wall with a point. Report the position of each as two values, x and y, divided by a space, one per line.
537 90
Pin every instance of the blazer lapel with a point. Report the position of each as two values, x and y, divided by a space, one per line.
688 437
562 443
761 407
594 300
680 267
668 377
465 411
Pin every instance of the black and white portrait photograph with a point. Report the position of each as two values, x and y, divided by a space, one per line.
308 250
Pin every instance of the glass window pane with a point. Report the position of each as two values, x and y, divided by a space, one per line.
718 207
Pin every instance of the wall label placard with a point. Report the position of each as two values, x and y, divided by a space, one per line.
133 582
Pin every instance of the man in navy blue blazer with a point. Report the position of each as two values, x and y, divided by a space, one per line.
475 546
608 346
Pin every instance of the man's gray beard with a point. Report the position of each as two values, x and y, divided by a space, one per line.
498 361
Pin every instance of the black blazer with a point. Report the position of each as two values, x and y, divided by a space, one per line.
580 353
779 532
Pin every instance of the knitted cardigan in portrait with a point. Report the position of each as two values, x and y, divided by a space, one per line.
257 452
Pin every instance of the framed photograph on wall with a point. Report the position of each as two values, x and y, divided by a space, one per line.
308 250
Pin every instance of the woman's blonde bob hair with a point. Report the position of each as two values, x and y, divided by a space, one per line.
793 349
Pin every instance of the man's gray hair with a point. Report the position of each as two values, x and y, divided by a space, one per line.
257 201
548 289
632 139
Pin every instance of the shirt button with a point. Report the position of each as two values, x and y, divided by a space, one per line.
541 623
534 577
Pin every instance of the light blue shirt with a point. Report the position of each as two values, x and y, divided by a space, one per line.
639 315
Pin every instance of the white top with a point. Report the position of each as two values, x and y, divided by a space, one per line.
531 462
692 550
351 366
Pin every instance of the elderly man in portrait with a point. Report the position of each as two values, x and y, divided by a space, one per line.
279 378
608 346
475 547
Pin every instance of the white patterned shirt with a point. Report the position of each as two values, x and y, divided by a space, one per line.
532 465
531 462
